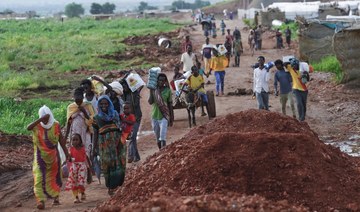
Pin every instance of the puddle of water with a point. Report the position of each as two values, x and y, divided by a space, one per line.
350 147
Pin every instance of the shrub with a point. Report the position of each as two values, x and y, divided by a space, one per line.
332 65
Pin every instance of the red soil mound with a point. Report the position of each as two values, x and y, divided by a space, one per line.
251 152
212 202
16 152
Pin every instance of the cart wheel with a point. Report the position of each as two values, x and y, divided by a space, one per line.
211 104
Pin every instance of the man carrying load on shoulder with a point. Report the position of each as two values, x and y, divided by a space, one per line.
299 88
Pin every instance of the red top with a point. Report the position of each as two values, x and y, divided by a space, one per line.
126 128
78 154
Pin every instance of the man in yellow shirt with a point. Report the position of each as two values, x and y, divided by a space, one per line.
196 83
218 63
300 90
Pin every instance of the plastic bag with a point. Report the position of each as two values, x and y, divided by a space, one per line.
134 82
179 84
61 153
97 86
65 170
152 80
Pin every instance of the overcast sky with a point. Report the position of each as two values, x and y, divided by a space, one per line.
58 5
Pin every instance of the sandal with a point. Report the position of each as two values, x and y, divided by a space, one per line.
41 205
56 201
76 200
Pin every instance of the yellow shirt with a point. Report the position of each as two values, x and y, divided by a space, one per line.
195 82
219 63
296 79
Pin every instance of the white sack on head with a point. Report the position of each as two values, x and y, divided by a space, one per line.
117 87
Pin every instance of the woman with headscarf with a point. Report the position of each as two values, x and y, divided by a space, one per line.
108 145
114 90
46 165
79 119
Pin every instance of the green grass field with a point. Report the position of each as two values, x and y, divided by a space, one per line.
330 64
35 52
16 115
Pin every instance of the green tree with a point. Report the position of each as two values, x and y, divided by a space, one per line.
74 10
7 12
144 6
108 8
31 14
181 4
96 8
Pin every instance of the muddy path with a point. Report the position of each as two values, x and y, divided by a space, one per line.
332 113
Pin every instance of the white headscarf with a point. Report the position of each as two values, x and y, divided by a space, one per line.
42 112
117 87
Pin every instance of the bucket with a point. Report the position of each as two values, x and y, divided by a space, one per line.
164 42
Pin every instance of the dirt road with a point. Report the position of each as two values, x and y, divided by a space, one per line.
332 111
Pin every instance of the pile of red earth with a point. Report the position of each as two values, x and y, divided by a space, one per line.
16 152
150 52
16 156
250 152
212 202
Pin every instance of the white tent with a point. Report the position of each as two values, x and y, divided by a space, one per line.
306 9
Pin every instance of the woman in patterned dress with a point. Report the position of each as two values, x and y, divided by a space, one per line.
108 145
47 164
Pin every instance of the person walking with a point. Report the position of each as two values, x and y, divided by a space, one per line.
162 113
187 59
222 27
46 165
261 84
219 63
279 40
228 45
78 169
237 34
251 41
288 36
237 50
108 145
206 55
299 88
186 43
79 120
133 98
258 35
284 79
89 94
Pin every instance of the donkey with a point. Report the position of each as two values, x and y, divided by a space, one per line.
191 101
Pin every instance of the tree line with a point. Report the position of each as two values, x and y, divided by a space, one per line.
76 10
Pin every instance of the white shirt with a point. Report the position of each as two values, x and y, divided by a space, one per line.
261 80
188 61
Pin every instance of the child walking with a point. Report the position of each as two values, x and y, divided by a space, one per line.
127 121
78 169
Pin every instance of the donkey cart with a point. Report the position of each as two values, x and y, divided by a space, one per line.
190 102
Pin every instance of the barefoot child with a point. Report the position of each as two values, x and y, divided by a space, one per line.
127 121
78 169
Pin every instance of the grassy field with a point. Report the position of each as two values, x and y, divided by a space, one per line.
332 65
16 115
34 53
